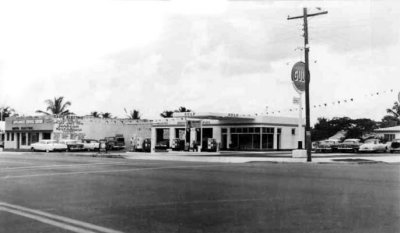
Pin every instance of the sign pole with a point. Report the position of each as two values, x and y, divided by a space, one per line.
299 140
307 76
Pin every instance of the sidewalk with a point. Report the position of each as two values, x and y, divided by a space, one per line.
275 157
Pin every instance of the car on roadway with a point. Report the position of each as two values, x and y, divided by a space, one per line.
72 145
350 145
329 145
48 145
90 144
373 145
394 145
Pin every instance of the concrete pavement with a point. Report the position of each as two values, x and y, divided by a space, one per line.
273 156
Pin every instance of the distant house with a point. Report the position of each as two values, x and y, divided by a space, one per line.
388 133
340 135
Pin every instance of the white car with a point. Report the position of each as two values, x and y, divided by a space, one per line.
90 144
48 145
373 145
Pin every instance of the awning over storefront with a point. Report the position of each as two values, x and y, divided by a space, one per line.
212 116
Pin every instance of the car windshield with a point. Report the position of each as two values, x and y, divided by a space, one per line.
350 142
371 141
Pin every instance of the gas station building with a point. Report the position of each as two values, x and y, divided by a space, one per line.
231 131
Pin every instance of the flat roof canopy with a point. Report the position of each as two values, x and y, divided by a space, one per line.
212 116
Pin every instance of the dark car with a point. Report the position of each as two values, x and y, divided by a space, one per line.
394 145
162 145
350 145
330 145
115 143
73 145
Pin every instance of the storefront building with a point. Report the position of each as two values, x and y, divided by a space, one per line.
231 131
21 132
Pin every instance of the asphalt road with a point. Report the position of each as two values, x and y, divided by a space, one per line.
53 192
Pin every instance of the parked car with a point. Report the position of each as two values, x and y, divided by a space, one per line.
373 145
350 145
115 143
394 145
162 145
90 144
72 145
329 145
48 145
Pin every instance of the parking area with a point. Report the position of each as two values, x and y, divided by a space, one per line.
53 192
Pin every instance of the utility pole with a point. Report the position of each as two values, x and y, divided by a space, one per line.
307 74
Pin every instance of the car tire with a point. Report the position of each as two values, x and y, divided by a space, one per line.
33 149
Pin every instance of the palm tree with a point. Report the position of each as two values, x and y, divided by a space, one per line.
56 107
167 114
183 109
395 110
134 114
106 115
6 112
95 114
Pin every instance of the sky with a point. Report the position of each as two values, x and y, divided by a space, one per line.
209 56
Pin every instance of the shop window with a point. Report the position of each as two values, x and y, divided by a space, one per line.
257 130
388 137
267 141
279 130
251 130
293 131
29 139
46 136
239 130
8 136
233 130
23 138
12 136
224 130
267 130
34 137
245 130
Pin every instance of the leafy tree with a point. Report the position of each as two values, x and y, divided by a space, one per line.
95 114
7 112
183 109
389 121
395 110
56 107
133 114
167 114
360 127
355 128
106 115
393 119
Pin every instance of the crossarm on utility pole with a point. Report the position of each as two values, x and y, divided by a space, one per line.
308 15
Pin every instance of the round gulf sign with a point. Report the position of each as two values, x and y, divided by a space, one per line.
299 76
